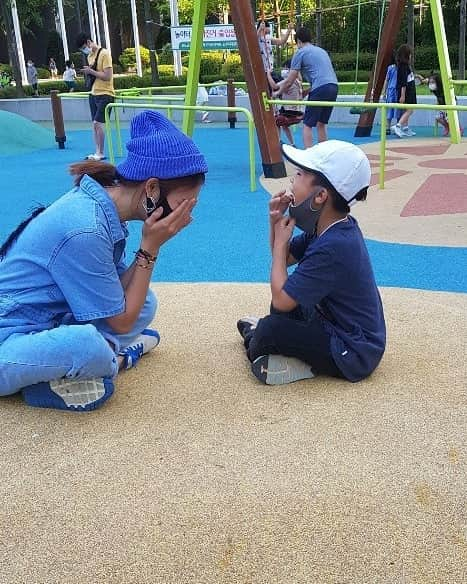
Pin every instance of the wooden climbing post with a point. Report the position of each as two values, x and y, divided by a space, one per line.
383 58
57 114
255 76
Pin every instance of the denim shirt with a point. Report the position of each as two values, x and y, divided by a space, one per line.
65 263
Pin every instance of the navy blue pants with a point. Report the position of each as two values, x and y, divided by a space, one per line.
293 334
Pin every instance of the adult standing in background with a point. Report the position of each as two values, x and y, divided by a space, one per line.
53 68
31 72
266 41
315 65
99 81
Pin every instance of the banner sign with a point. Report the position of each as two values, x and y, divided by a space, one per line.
216 37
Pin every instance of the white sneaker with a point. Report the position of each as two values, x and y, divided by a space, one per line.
145 342
398 131
95 157
408 132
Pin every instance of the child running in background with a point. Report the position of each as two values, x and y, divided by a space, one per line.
390 93
69 76
287 115
405 90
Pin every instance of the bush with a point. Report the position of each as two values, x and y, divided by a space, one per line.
78 59
350 75
128 58
347 61
211 62
43 73
165 57
8 92
232 68
8 69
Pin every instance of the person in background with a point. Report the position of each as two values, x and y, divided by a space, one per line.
53 68
99 75
314 64
435 85
266 42
287 115
31 72
406 92
73 313
390 94
69 76
202 97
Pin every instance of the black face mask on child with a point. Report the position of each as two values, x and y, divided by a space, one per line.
306 217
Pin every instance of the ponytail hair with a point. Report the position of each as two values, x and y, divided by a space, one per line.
103 173
15 234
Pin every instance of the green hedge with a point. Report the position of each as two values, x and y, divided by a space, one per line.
426 58
43 73
128 58
125 82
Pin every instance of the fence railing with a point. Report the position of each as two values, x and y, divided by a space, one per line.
156 106
383 106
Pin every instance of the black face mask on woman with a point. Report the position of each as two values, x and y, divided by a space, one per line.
151 206
306 217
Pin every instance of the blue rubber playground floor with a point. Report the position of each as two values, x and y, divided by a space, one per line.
228 240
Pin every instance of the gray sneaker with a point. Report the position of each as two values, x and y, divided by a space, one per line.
408 132
277 369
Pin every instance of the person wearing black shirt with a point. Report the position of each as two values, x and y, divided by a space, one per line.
405 89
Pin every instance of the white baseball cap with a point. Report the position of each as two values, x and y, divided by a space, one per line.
344 165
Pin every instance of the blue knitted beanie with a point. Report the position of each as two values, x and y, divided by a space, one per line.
158 149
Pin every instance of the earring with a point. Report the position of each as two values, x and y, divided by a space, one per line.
150 205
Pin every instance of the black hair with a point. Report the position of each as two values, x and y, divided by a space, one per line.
403 55
15 234
82 39
338 202
303 35
68 63
439 91
266 24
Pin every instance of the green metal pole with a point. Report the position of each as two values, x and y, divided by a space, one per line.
382 148
445 68
197 31
119 132
108 131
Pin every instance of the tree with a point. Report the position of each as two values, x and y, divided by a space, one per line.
461 74
152 30
7 24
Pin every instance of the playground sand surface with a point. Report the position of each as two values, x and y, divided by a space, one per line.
195 473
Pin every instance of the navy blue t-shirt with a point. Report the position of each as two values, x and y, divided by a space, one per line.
334 277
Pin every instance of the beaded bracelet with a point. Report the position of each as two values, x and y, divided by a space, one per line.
143 255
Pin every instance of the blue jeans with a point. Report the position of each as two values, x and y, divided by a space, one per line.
74 351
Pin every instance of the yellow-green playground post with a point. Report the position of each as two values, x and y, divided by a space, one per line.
445 69
199 17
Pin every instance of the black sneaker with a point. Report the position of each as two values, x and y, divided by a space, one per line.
277 369
247 324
